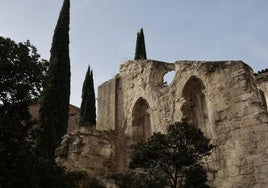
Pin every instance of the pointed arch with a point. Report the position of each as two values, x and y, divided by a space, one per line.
195 107
141 122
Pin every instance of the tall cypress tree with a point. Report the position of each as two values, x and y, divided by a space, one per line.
140 52
88 108
54 104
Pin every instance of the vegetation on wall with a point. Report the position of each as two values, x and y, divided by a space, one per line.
88 106
172 159
140 52
54 105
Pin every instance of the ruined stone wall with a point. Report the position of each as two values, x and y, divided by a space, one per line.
262 82
222 98
228 109
107 105
88 150
73 115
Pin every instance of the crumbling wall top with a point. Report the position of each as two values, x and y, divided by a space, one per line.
262 76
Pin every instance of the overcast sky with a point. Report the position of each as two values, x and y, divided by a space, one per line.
103 32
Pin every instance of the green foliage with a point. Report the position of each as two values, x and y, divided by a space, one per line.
21 166
21 79
172 159
88 107
15 154
140 52
21 72
50 174
16 90
80 179
22 76
196 177
132 180
75 178
144 180
54 105
125 180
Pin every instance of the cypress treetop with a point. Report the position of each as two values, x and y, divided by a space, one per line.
54 104
88 108
140 52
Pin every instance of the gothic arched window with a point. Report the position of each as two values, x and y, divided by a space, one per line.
141 124
195 107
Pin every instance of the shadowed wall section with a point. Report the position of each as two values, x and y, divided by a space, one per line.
141 124
194 108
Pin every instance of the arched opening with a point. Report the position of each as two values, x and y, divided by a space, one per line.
141 124
162 74
169 77
195 107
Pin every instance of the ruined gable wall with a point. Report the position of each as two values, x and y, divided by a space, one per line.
222 97
236 121
136 83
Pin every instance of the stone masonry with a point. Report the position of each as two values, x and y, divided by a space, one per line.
223 98
262 81
73 115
